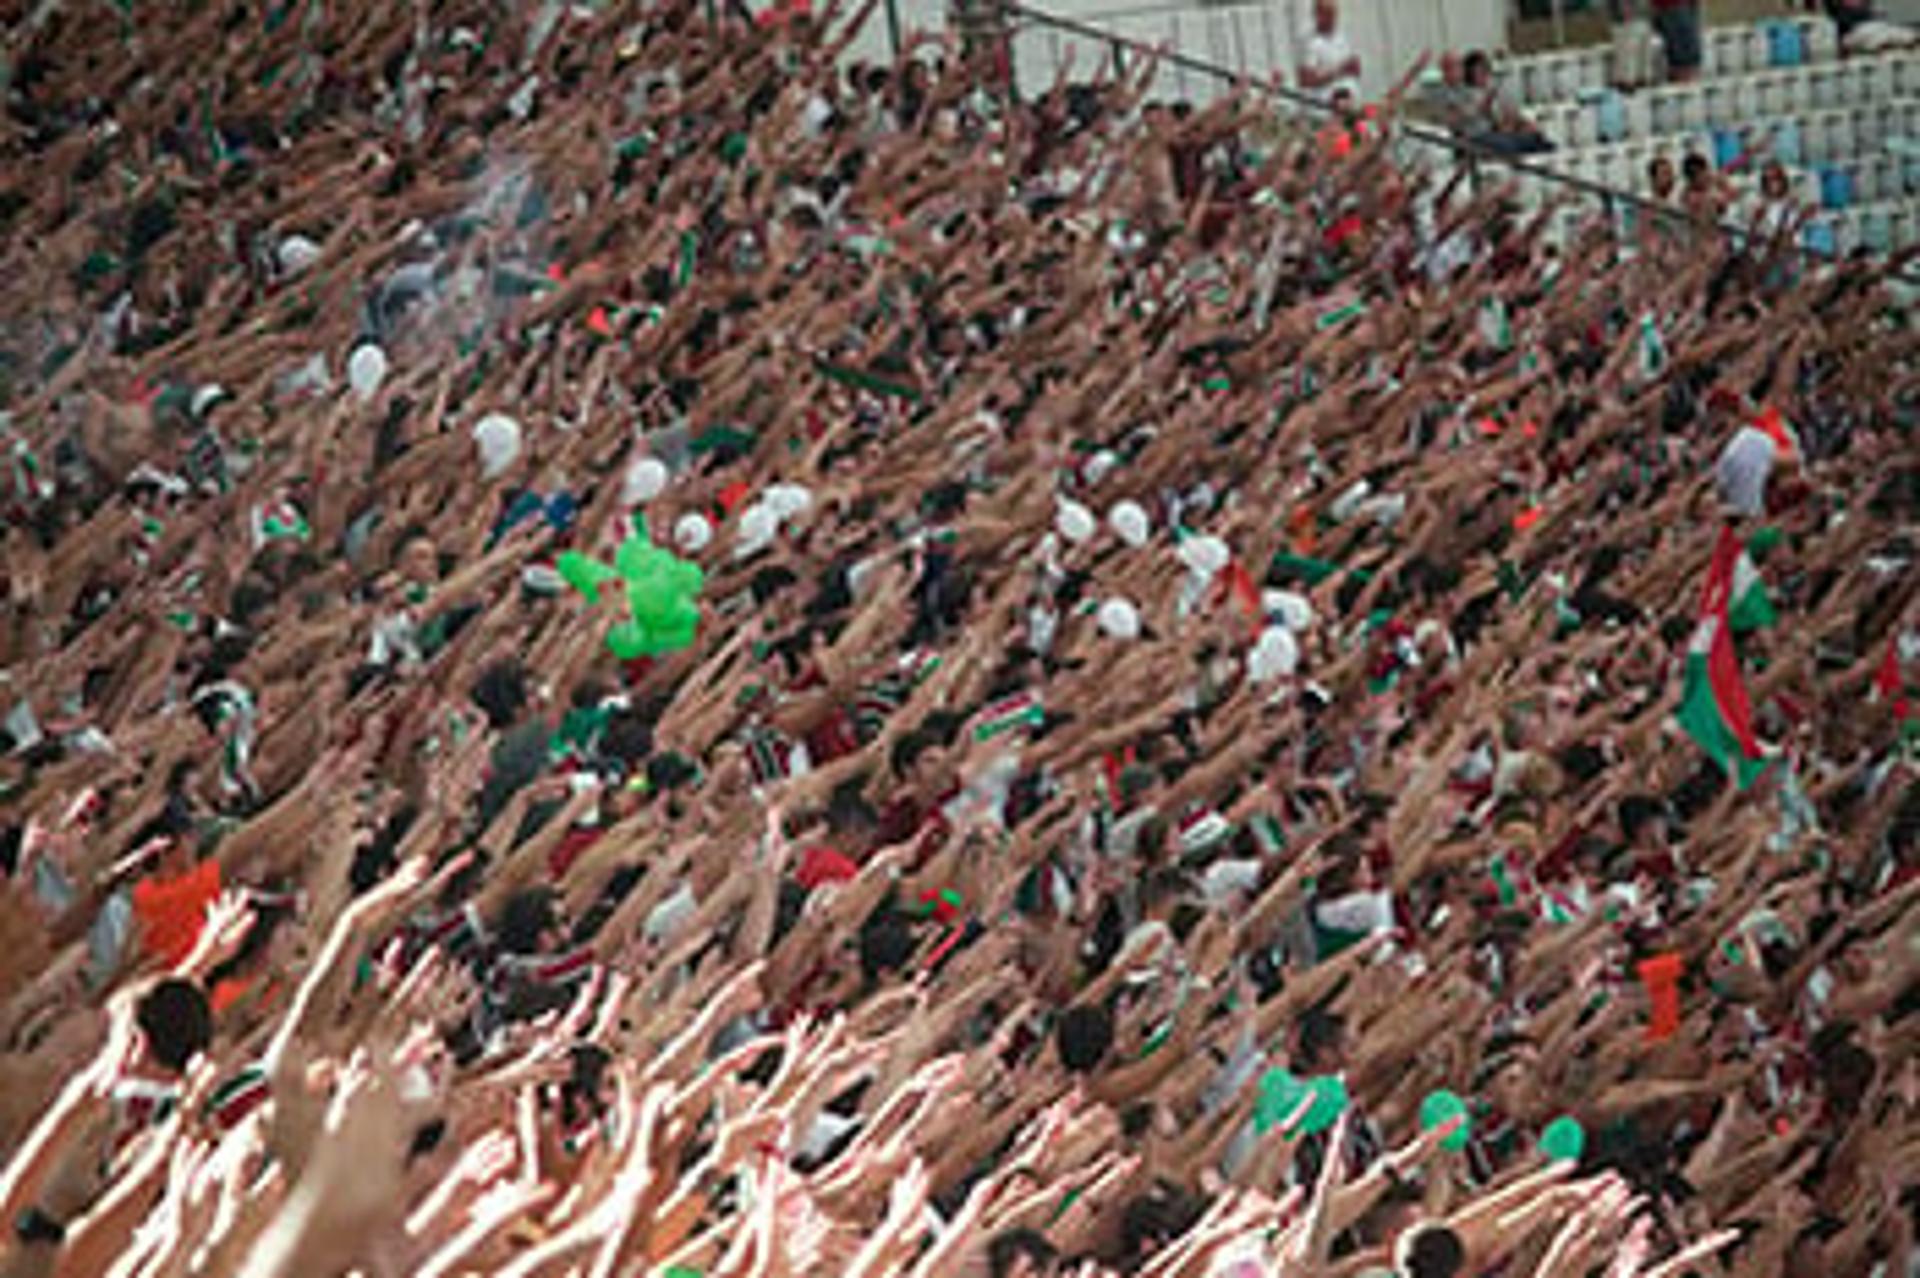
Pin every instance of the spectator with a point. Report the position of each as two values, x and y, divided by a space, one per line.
1779 212
1445 99
1499 125
1632 44
1678 22
1861 30
1705 194
1328 65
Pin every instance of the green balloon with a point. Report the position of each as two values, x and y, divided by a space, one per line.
1279 1096
628 641
1440 1108
1329 1102
583 574
685 576
1564 1140
650 605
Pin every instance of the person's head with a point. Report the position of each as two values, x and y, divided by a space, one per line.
177 1021
1696 171
1478 69
529 922
1084 1035
1773 181
1453 69
1660 177
886 944
1156 1219
1429 1251
419 561
919 759
1021 1253
1326 16
1512 1075
501 693
1322 1039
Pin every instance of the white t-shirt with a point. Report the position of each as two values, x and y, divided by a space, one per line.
1325 54
1742 471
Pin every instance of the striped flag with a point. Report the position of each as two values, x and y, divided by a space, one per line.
1714 708
1009 714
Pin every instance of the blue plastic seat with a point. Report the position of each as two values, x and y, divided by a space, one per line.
1728 147
1820 239
1786 46
1836 188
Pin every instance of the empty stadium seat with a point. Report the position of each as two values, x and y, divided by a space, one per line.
1847 130
1786 47
1836 187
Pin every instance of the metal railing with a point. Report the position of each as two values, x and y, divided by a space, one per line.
1040 38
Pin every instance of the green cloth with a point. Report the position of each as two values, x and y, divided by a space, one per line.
1302 567
861 379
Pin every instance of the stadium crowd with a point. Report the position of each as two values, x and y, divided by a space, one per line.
631 649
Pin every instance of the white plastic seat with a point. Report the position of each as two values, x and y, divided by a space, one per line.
1719 104
1823 87
1876 230
1820 40
1796 92
1639 116
1816 140
1866 180
1584 127
1758 55
1846 231
1865 130
1843 137
1872 80
1770 94
1902 229
1693 107
1563 81
1595 70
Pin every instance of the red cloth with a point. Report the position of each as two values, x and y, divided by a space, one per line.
824 865
569 848
171 912
1661 977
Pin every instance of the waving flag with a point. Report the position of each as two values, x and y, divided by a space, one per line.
1714 708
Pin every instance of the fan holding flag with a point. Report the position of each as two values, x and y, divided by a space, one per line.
1714 707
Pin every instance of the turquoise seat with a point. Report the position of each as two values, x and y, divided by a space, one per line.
1836 188
1786 46
1728 147
1820 239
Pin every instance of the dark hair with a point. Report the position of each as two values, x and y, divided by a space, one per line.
525 917
1084 1035
1155 1219
886 944
178 1022
1004 1249
501 693
1320 1033
908 749
1636 811
1435 1251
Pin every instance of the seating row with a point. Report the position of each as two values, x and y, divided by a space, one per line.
1609 116
1560 74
